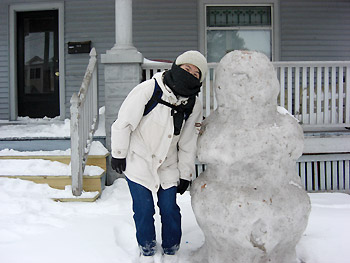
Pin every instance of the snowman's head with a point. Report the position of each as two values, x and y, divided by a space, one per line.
246 78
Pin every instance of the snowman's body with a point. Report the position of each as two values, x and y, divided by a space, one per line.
249 202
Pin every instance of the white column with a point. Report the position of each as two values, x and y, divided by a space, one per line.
123 50
123 23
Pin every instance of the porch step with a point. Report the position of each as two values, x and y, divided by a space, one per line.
56 175
95 160
97 156
52 168
40 143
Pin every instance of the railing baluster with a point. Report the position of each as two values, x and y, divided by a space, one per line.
333 96
326 95
312 95
297 112
322 176
347 95
290 90
214 94
340 95
282 84
207 96
306 120
319 96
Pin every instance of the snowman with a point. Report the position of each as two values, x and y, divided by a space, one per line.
249 202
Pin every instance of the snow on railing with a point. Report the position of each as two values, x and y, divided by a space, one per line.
84 120
316 93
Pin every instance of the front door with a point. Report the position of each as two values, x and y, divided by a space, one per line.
37 64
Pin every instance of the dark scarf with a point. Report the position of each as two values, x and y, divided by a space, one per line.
181 82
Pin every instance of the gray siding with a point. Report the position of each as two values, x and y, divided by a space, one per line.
315 30
87 20
162 29
4 61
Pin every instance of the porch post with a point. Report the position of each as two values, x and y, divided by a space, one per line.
123 24
122 70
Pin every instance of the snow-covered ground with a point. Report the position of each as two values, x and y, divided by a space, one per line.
33 228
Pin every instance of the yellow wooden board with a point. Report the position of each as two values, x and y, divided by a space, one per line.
78 199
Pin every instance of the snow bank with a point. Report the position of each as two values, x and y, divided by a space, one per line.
35 229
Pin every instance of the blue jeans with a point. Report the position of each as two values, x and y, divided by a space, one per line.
143 207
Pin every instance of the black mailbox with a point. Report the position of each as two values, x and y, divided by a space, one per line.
79 47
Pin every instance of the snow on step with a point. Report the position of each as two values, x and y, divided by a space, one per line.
39 167
96 149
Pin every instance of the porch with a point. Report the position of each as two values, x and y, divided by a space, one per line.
315 93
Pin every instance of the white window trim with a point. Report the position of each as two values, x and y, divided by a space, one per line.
13 52
275 22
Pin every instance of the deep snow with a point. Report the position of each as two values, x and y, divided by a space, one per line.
33 228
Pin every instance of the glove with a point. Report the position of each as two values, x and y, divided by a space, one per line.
118 164
182 187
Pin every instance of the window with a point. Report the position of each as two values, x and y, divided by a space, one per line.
230 28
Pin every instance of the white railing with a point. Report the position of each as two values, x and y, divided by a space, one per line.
316 93
84 120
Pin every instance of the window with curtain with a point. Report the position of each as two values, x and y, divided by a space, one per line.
230 28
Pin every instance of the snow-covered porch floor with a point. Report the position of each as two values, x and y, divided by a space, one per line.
33 228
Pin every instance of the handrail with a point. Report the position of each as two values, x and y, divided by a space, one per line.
84 120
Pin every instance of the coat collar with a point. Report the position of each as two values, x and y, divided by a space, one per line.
173 99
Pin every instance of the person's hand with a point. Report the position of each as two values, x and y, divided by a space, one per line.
118 164
182 187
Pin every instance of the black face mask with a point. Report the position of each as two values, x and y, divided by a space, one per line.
181 82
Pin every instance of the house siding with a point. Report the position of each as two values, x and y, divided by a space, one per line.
315 30
162 29
4 64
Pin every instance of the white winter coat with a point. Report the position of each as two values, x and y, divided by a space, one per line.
154 155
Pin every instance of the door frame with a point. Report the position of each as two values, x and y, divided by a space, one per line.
13 52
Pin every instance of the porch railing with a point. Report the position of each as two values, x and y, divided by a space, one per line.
84 120
316 93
